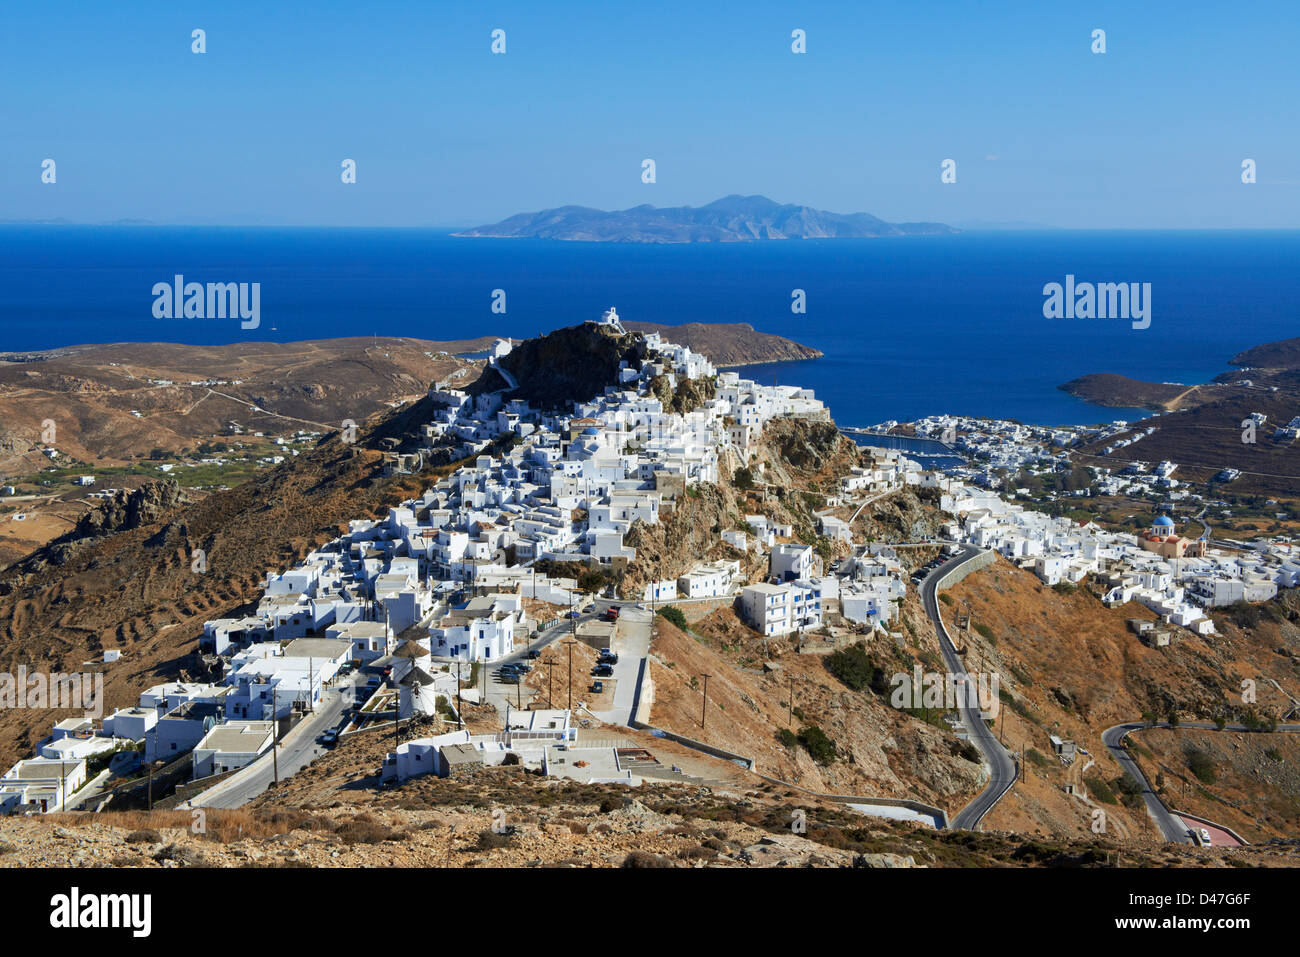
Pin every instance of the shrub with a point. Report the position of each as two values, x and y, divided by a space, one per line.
1037 757
854 667
491 840
1100 790
699 852
145 836
787 737
946 598
1202 765
985 631
645 859
1129 789
674 615
819 746
364 830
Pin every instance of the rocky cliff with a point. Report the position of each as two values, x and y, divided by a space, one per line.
573 364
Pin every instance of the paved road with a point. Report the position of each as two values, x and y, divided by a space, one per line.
1002 769
296 750
1219 836
632 644
1171 826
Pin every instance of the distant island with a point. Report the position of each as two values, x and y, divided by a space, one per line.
732 219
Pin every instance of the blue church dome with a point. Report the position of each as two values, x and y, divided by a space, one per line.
1164 521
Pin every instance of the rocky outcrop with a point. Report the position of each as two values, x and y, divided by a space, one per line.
573 364
687 396
683 536
126 510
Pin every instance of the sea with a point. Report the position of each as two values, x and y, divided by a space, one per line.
909 326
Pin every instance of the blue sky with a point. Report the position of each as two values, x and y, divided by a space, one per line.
1150 134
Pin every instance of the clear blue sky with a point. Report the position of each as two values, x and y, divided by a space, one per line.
1150 134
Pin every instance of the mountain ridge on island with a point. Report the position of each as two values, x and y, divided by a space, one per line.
733 218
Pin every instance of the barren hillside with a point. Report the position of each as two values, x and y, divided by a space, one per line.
1069 666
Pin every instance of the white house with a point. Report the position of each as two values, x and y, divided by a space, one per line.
707 580
232 745
789 562
781 609
40 784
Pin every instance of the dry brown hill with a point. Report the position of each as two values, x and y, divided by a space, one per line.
1069 666
90 392
878 750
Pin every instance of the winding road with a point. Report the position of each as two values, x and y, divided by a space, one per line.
1171 825
1002 768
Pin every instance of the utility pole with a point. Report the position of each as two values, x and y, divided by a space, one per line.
704 704
460 713
151 785
570 644
790 719
550 677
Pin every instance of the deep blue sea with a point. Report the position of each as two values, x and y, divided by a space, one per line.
910 327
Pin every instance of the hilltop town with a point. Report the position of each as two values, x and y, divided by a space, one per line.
608 494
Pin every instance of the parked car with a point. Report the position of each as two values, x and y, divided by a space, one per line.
597 687
1205 837
602 670
534 653
608 657
329 738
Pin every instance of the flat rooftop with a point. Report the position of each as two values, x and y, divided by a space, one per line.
317 648
237 737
